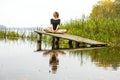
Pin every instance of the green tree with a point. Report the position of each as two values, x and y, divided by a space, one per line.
106 9
117 8
117 0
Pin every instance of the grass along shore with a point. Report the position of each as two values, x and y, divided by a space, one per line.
14 34
104 30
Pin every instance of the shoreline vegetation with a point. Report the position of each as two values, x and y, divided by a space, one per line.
15 33
104 30
102 25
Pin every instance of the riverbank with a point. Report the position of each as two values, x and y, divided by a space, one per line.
104 30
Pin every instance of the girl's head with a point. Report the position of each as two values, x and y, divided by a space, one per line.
56 14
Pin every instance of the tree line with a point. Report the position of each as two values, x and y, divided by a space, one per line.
106 9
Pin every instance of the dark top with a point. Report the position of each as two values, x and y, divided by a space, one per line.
55 23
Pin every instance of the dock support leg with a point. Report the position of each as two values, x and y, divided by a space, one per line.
39 40
77 44
70 44
53 43
57 42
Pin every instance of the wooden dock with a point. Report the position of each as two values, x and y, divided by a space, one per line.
79 40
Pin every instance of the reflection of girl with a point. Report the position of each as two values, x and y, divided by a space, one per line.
54 58
54 61
55 22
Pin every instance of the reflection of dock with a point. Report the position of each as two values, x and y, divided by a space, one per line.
79 40
74 49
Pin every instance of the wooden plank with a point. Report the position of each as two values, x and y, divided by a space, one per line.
73 38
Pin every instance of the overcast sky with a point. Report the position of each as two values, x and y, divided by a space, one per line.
32 13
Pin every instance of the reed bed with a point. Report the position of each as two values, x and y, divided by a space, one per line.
14 34
105 30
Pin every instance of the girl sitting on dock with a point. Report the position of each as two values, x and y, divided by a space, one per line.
55 22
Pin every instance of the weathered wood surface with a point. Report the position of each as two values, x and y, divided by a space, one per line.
74 38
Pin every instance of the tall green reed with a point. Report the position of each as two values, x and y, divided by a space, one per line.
104 29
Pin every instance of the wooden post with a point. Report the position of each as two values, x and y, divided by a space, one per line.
70 44
57 42
39 42
77 44
53 42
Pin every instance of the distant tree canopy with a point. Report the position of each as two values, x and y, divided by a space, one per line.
106 9
117 0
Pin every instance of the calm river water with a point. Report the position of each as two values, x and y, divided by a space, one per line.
19 61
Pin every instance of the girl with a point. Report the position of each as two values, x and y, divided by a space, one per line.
55 22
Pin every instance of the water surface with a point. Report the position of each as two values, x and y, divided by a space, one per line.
19 61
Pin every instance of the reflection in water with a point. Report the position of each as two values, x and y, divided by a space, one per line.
18 61
109 57
105 57
53 61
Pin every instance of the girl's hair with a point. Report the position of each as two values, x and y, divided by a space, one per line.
56 14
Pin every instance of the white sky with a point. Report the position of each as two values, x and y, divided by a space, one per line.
32 13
